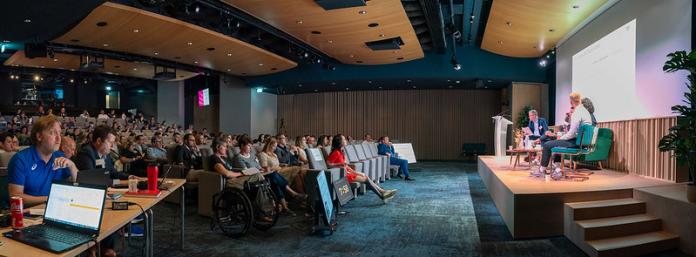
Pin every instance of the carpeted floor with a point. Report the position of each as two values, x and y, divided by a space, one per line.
445 212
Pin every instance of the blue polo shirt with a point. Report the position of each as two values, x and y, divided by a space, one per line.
27 169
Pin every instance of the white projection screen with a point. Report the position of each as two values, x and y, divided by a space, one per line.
605 72
616 60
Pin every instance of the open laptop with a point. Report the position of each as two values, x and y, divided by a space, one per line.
73 217
95 177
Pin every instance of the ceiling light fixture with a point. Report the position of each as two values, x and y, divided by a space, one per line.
189 43
362 12
136 30
27 20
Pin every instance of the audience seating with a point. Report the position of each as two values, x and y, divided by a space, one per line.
378 170
383 161
317 163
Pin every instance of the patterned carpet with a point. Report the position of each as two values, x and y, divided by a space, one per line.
445 212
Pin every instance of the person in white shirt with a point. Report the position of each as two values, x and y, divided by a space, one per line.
579 117
102 115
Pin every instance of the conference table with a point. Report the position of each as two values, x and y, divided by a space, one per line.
111 223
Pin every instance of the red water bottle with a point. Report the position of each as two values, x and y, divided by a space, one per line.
152 173
16 210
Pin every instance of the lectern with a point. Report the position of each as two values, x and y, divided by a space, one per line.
501 124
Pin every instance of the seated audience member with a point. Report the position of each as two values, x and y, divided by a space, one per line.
84 114
63 113
301 146
270 162
324 141
245 160
132 160
32 170
385 147
537 126
68 147
7 142
188 154
579 117
178 139
112 114
338 159
221 166
287 155
40 111
140 146
95 154
368 138
156 151
50 111
311 141
587 103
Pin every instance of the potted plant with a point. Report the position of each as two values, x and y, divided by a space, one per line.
681 139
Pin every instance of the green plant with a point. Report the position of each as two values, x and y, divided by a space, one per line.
523 117
681 139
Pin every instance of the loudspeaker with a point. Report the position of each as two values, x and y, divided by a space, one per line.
33 50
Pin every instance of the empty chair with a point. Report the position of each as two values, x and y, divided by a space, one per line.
382 168
372 147
374 163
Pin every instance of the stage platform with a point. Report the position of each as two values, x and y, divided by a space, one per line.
532 207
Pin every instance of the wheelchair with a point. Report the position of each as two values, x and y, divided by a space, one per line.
235 211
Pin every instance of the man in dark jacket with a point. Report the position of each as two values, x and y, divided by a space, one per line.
94 155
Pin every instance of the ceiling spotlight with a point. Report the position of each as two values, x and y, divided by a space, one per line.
37 77
189 43
500 42
362 12
198 9
508 23
156 53
27 20
72 81
260 64
55 60
299 21
136 30
542 63
457 34
135 69
306 55
457 81
196 62
84 81
229 54
259 90
105 45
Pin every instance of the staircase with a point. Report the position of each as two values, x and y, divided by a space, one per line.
618 227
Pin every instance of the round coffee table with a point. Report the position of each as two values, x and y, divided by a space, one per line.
516 153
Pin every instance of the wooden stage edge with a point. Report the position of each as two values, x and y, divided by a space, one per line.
532 207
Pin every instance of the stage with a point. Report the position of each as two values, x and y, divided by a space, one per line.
533 208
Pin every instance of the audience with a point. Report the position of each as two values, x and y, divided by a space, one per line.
219 164
68 147
338 159
32 170
385 147
7 141
287 155
270 162
301 146
156 152
368 138
245 160
188 153
94 154
311 141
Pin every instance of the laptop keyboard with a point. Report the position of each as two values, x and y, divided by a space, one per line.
56 234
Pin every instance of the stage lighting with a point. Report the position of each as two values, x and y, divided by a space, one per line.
259 90
542 63
455 64
37 77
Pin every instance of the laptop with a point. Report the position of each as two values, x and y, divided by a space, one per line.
73 217
95 177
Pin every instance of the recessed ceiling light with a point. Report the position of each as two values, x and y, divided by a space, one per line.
55 60
362 12
449 86
196 62
260 64
316 32
576 6
552 30
351 56
381 35
316 90
228 70
101 24
414 87
500 42
347 89
508 23
135 69
448 80
400 58
372 25
189 43
156 53
105 44
330 41
229 54
299 22
380 87
210 49
27 20
136 30
457 81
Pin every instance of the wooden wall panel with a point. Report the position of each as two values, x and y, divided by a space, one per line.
635 148
437 122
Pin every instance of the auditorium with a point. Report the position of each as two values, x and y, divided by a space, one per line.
409 128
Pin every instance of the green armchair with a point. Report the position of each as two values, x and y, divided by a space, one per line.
605 138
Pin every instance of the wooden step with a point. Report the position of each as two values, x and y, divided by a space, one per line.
619 226
606 208
634 245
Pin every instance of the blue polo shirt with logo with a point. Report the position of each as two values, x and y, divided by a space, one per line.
27 169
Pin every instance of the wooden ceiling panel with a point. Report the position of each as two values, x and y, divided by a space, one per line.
135 31
529 28
111 66
343 31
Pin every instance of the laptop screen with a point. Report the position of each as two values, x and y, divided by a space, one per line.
75 206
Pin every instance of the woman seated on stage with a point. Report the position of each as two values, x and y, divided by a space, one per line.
338 159
245 160
579 117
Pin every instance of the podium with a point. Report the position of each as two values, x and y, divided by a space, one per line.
501 124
